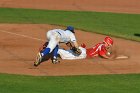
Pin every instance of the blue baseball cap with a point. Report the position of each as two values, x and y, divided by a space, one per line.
70 28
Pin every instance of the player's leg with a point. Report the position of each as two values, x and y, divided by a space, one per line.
53 42
51 45
55 55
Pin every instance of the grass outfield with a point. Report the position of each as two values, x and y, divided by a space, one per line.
114 24
70 84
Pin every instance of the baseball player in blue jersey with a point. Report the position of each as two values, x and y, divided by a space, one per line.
55 37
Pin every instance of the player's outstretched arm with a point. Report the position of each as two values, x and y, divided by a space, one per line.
105 56
76 44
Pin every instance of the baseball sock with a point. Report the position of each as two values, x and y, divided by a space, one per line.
55 52
46 51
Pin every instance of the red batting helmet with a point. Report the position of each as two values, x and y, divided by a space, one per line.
108 40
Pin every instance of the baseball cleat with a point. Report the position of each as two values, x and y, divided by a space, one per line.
38 59
55 61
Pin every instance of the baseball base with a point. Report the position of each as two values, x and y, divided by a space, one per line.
122 57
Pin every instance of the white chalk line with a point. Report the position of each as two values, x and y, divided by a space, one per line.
4 31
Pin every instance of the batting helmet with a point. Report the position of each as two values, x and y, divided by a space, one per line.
70 28
108 40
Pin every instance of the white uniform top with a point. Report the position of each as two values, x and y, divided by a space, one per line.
65 36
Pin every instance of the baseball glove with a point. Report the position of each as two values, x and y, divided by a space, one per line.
76 50
69 44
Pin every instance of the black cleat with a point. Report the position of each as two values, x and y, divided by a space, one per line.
55 61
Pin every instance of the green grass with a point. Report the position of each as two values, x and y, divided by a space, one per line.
114 24
70 84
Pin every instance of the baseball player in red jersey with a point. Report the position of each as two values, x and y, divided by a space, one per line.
100 49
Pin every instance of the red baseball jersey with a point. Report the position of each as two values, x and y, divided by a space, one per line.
98 49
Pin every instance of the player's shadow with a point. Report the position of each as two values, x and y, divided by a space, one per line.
47 57
138 35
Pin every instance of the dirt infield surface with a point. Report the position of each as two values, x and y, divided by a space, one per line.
125 6
19 43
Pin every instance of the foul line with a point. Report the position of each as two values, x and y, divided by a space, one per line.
21 35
